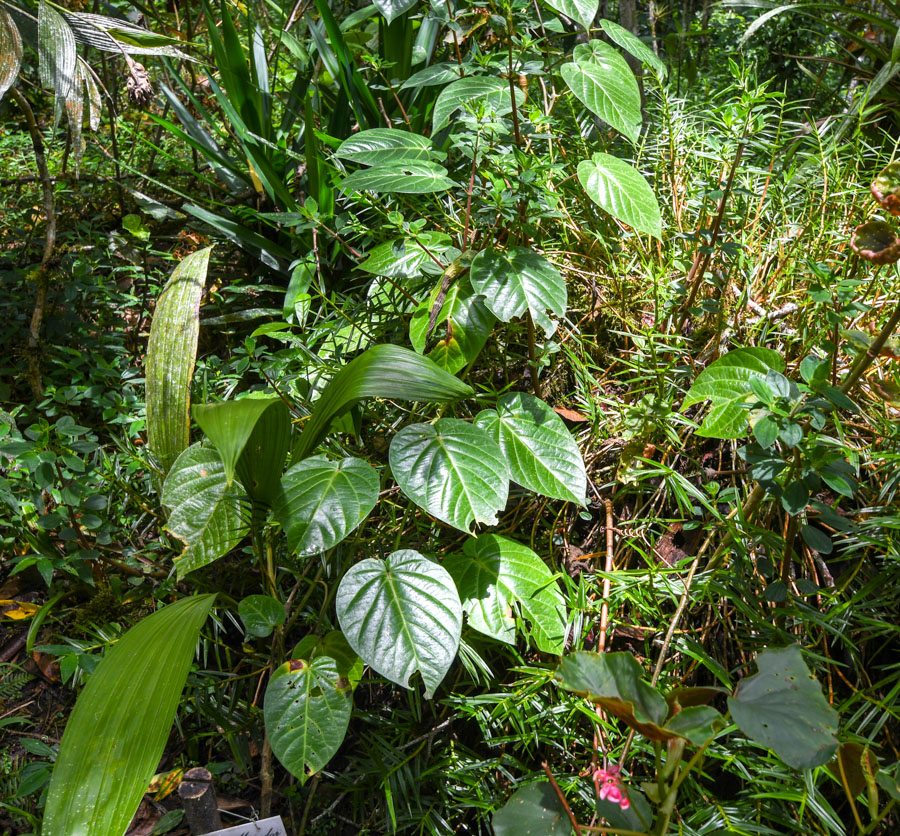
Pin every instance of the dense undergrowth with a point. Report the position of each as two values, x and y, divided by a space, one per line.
698 545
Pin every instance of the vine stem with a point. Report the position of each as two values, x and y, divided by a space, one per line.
42 275
871 353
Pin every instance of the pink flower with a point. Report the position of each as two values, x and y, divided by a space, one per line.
611 787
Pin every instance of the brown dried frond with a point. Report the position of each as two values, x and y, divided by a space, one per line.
140 90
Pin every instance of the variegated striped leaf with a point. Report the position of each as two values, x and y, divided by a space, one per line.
56 53
10 51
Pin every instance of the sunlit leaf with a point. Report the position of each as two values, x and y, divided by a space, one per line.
385 146
452 469
56 52
490 92
581 11
634 46
410 177
116 734
621 190
401 615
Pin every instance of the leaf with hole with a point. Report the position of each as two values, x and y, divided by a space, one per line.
320 501
540 452
206 513
385 146
618 188
603 82
494 575
517 280
401 615
782 707
306 711
452 469
726 383
399 178
117 732
492 93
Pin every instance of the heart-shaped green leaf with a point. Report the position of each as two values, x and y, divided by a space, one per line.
540 452
603 82
726 382
230 424
322 501
206 513
519 280
619 189
392 9
488 91
116 734
452 469
260 614
385 146
581 11
404 258
307 710
699 724
399 178
532 809
783 708
495 574
401 615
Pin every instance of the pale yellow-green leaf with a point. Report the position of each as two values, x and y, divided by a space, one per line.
171 354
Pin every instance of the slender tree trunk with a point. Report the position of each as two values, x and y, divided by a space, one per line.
42 274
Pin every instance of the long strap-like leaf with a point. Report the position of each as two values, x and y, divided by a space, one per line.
118 729
171 354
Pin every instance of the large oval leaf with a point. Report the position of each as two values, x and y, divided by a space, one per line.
320 501
783 708
171 354
307 710
56 52
206 512
621 190
581 11
385 146
405 257
540 452
495 574
727 383
384 371
518 280
10 51
399 178
452 469
488 91
118 729
401 615
603 82
634 46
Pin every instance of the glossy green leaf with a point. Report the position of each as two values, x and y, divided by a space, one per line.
384 371
518 280
260 615
433 75
385 146
783 708
615 682
540 452
452 469
399 178
320 501
726 382
404 258
463 324
634 46
205 512
56 52
336 646
171 354
581 11
116 734
534 809
603 82
489 92
401 615
307 710
229 426
618 188
494 575
11 51
261 461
